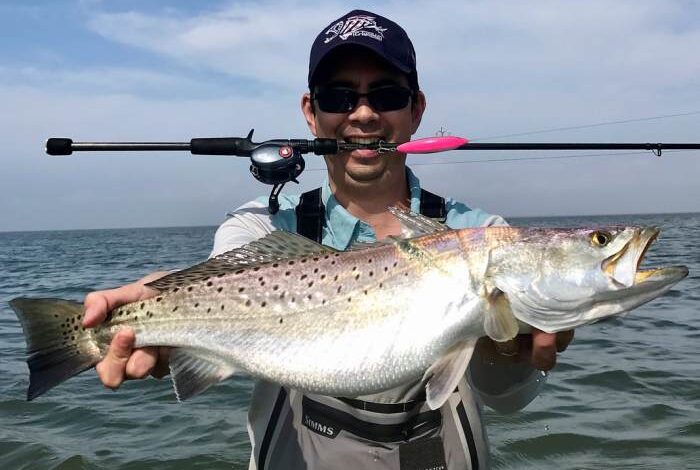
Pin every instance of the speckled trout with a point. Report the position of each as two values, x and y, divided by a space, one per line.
291 311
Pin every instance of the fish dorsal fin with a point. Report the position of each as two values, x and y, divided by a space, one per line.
272 247
499 322
444 375
194 371
415 225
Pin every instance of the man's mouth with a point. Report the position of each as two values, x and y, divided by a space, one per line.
367 145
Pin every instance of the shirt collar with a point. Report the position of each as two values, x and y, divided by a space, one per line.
343 228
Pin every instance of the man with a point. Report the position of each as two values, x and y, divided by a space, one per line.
363 87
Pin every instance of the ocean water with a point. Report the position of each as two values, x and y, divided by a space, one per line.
626 394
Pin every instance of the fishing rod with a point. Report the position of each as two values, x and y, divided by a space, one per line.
279 161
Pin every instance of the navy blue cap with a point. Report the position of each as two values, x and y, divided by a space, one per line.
363 28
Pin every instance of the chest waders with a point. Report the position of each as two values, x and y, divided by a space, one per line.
316 432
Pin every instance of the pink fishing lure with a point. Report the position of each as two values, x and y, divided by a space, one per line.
432 144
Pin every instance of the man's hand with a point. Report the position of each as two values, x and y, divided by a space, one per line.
538 348
122 361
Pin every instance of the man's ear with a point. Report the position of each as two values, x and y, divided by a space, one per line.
307 107
417 110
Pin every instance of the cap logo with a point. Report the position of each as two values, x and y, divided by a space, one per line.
359 25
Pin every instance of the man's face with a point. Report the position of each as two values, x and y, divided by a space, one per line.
364 72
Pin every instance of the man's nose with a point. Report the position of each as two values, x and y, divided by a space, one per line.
363 111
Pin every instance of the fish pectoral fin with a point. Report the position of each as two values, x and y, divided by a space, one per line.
414 225
444 375
193 371
499 322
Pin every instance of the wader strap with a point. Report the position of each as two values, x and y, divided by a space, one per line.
271 426
311 213
432 205
468 435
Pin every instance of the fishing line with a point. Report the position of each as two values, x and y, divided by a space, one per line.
587 126
506 160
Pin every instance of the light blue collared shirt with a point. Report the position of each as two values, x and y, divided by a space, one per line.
343 229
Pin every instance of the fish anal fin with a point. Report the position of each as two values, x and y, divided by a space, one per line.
499 322
444 375
193 371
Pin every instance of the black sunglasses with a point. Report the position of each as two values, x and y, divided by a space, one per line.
344 100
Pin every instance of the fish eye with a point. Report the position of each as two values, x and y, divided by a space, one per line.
600 238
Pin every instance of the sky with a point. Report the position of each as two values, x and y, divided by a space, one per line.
506 71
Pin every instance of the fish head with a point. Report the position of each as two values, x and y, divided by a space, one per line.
558 279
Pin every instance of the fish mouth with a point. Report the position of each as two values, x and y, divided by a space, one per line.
624 266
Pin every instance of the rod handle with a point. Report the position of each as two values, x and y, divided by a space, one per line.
59 146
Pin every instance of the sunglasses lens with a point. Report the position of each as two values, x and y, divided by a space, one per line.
390 98
336 100
343 100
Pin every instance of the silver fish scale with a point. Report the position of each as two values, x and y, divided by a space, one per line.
344 323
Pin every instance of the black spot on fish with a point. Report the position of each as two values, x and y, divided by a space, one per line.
263 304
326 257
333 262
282 295
275 287
219 289
335 278
209 310
323 276
357 276
196 304
189 289
309 296
339 289
287 273
369 260
323 302
291 263
365 291
304 260
293 299
209 284
311 283
281 321
349 299
354 268
241 289
371 273
222 307
247 303
303 276
315 270
175 308
396 263
381 285
176 289
239 271
386 268
275 265
158 299
315 258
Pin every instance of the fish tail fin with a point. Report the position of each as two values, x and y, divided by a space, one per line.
58 346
